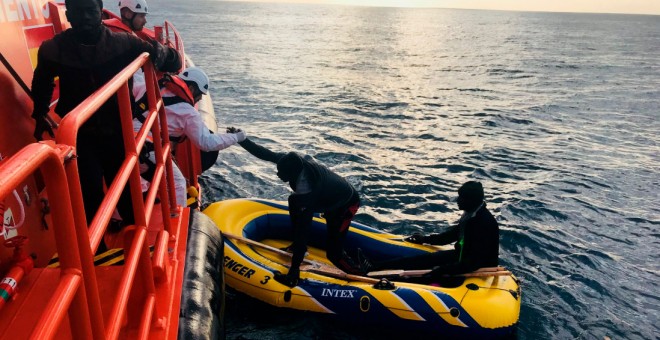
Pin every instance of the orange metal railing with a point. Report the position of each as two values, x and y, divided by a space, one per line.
143 279
77 292
69 296
178 42
138 265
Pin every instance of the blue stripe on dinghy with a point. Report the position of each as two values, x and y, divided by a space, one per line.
354 224
344 299
422 307
270 203
278 226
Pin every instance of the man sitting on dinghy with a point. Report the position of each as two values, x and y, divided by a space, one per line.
316 189
476 237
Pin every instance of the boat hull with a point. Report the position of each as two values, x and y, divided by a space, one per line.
488 308
202 298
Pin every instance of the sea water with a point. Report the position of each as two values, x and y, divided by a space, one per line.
558 115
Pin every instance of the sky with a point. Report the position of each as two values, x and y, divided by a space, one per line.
592 6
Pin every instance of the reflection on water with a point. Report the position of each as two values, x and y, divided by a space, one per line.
557 114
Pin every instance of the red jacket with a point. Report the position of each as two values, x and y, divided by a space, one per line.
117 25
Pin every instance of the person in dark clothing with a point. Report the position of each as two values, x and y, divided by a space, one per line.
85 57
476 237
315 189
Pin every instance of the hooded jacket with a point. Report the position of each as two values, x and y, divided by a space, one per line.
328 191
83 69
480 241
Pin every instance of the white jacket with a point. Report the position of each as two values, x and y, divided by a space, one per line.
184 119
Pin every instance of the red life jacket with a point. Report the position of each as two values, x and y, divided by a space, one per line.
181 94
116 25
179 87
175 85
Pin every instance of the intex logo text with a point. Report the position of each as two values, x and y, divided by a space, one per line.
338 293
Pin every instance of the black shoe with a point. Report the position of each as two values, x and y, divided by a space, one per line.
285 279
115 226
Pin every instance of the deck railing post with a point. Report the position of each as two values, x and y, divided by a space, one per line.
69 295
126 116
67 247
86 248
90 239
144 276
163 155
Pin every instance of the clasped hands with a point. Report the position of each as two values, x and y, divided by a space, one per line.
240 134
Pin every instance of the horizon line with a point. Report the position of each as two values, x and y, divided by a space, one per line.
334 3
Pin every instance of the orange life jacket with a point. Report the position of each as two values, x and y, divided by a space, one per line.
179 87
116 25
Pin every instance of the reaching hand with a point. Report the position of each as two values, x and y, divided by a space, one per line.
415 238
44 124
241 135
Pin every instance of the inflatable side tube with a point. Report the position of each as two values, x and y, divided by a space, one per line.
206 110
203 297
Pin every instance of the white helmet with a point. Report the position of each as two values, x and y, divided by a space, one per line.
137 6
197 76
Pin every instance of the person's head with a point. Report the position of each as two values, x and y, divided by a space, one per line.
85 18
289 167
133 13
197 81
470 196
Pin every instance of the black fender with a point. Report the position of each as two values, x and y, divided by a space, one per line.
208 158
203 296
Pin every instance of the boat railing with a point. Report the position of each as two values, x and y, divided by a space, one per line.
137 255
172 35
69 293
143 278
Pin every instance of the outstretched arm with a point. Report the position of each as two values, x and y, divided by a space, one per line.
199 134
446 237
261 152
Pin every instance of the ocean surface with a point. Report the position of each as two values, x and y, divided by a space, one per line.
558 115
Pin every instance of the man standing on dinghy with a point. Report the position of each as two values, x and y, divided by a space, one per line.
316 189
85 57
476 237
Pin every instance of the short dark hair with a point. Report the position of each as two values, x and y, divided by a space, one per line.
68 3
289 166
472 191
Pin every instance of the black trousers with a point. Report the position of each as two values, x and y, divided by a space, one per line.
337 222
99 158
